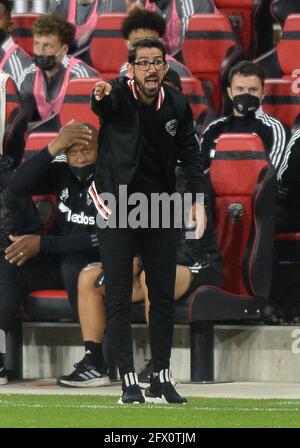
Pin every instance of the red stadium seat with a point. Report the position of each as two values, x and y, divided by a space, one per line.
244 184
22 25
285 58
76 103
199 102
210 47
108 49
282 100
242 16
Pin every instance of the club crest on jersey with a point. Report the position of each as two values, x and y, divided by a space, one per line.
171 127
64 195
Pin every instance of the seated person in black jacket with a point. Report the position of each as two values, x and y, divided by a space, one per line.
246 91
19 216
34 261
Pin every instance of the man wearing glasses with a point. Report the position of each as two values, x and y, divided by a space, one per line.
145 129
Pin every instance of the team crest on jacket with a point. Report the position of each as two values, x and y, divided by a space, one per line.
171 127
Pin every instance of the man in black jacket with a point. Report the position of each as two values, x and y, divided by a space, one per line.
246 91
145 129
34 262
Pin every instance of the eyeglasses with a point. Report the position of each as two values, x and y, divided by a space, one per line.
144 65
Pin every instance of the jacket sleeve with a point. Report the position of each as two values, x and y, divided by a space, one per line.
83 242
109 104
276 143
34 176
289 171
189 153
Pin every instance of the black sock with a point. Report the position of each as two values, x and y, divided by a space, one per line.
94 350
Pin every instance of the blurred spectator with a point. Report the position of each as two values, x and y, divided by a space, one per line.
44 87
83 14
245 90
19 216
13 60
141 23
177 14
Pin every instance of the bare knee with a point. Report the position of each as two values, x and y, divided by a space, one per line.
88 276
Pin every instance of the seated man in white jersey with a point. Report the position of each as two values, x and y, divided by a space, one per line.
13 59
43 89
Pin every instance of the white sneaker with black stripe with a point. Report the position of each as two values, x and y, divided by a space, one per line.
132 393
84 375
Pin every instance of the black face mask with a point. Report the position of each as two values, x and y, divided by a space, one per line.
84 173
246 104
45 63
2 35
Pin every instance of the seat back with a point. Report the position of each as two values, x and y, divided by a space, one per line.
22 25
209 45
46 203
281 9
76 103
244 184
15 122
282 100
242 16
108 49
193 89
288 49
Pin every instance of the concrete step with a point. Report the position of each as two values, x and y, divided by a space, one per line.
242 353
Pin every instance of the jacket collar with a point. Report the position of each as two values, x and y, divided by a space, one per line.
160 97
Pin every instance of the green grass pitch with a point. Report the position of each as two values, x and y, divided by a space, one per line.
61 411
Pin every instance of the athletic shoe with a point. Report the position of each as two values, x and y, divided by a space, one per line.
145 374
84 375
3 375
162 391
132 393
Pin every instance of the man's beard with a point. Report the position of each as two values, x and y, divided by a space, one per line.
148 91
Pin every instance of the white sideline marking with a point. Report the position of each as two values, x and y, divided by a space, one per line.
4 403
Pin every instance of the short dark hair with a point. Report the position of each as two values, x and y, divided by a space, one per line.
246 68
145 43
143 19
54 24
7 5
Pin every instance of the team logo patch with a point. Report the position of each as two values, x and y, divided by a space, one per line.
64 195
171 127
